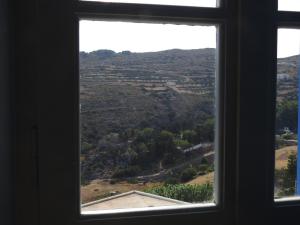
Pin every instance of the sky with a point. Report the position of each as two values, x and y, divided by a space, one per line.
288 39
288 42
141 37
289 5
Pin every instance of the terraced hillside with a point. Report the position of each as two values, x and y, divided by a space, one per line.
287 78
124 93
141 111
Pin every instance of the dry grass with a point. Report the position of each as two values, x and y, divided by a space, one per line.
98 189
207 178
281 157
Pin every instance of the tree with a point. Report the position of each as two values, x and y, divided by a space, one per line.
142 155
145 135
85 147
188 174
165 143
190 136
206 131
182 144
289 178
287 115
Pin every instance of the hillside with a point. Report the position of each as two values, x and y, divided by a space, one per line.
124 93
287 78
140 112
168 84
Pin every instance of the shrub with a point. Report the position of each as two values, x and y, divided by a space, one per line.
84 181
188 174
85 147
182 144
289 180
168 159
210 168
205 131
171 180
287 115
126 172
165 143
132 181
204 161
279 142
113 181
202 169
185 192
286 177
190 136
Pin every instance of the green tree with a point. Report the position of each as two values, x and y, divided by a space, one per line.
205 131
287 115
289 176
130 171
142 155
146 135
85 147
182 144
188 174
165 143
190 136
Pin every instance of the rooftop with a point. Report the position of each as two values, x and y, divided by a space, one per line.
132 199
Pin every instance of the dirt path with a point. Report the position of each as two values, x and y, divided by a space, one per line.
163 173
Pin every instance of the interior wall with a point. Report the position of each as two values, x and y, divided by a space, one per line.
6 186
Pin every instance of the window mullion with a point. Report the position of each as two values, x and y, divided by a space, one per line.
257 64
289 19
94 10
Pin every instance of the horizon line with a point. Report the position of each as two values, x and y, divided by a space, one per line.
163 50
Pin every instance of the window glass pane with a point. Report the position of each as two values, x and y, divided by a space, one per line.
147 101
287 181
196 3
289 5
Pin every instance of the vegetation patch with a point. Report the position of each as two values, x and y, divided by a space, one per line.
188 174
126 172
185 192
286 177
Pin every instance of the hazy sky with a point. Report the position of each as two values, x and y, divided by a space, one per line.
289 5
288 42
139 37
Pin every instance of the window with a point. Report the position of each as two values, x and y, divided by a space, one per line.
287 115
48 112
147 115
